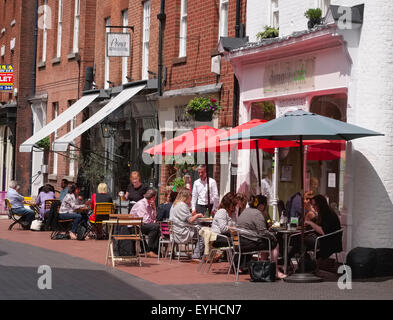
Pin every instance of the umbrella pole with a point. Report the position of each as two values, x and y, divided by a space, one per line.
258 167
302 277
207 181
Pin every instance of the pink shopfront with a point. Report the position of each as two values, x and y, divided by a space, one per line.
309 71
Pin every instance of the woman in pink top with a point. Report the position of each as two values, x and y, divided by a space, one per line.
45 194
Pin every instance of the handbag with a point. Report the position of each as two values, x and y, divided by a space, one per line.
262 271
36 225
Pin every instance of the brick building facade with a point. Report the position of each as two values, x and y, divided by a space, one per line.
16 43
189 69
65 49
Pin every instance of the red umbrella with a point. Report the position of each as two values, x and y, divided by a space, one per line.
185 143
326 151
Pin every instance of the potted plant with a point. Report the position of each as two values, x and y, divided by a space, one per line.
202 108
44 144
314 17
178 183
269 32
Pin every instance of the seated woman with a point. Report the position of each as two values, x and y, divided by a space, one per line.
45 194
253 220
68 210
164 209
181 218
327 221
310 213
222 221
241 204
101 196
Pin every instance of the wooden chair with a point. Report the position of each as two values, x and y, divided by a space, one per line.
102 212
16 218
48 203
135 235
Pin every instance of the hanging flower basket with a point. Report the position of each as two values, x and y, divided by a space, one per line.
203 109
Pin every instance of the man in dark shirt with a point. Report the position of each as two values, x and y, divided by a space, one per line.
135 190
165 208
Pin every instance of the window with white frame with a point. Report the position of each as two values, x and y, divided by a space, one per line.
59 28
274 14
183 29
324 5
55 155
223 21
106 75
124 62
145 39
45 31
76 26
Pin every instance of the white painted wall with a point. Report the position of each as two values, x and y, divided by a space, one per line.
368 200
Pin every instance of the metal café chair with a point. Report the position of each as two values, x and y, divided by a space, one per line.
237 250
165 239
186 244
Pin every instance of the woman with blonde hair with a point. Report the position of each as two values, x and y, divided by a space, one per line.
101 196
181 217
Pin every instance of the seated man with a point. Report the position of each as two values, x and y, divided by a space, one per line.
17 203
146 209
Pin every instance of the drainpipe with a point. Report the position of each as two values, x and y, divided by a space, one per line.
161 18
235 91
33 84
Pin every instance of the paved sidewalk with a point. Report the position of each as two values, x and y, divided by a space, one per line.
79 273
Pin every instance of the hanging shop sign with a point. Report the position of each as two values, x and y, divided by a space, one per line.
285 76
6 77
118 44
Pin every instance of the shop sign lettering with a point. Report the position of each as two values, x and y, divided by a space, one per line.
282 77
6 77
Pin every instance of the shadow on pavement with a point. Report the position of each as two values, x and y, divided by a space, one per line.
70 284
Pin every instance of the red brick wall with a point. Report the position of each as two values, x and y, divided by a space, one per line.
60 80
22 60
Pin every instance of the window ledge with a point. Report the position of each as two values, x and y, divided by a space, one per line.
69 178
56 60
13 22
73 56
41 64
179 60
52 177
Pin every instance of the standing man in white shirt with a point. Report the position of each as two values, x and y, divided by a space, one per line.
199 202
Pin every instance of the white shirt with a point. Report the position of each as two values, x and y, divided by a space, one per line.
199 193
267 191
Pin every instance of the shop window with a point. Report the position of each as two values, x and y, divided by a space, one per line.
146 39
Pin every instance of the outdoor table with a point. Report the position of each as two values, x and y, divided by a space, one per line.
205 221
122 222
286 233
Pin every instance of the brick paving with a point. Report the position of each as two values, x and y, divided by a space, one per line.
79 270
